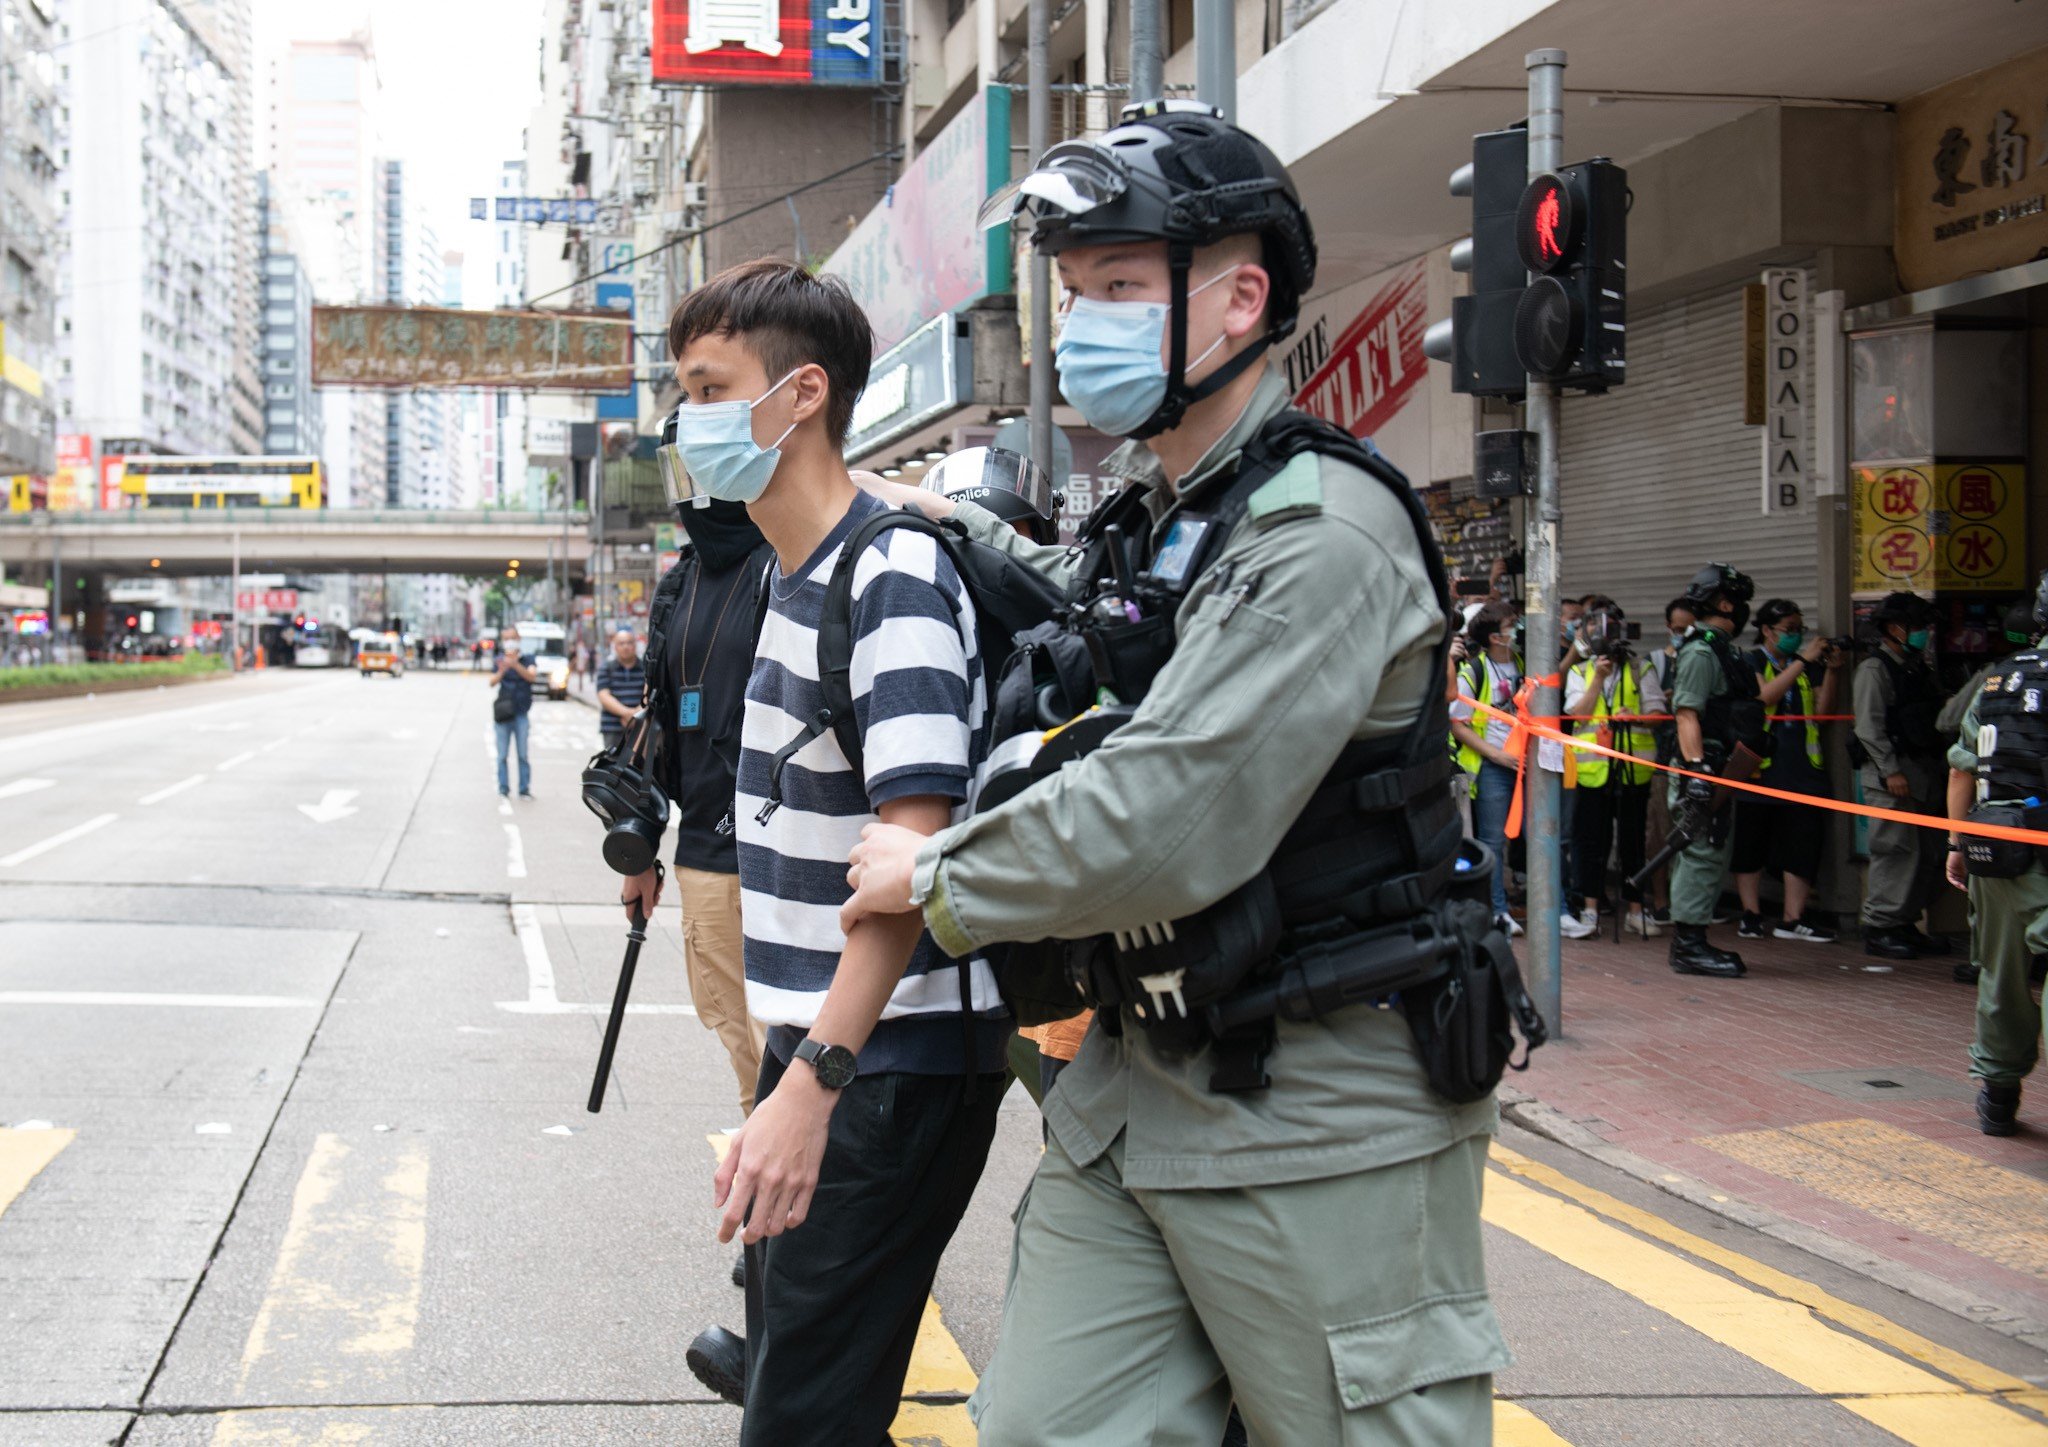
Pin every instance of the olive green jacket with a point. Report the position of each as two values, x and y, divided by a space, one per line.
1188 800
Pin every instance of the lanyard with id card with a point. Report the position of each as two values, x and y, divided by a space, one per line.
689 694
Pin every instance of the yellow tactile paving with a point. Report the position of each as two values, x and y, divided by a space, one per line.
1516 1426
24 1153
1901 1396
1910 1181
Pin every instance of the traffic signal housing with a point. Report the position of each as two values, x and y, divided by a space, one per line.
1478 340
1571 231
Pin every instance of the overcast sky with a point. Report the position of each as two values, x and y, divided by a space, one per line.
460 77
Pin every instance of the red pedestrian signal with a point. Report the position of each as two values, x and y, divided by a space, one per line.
1544 224
1571 229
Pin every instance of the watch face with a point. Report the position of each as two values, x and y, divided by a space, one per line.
836 1067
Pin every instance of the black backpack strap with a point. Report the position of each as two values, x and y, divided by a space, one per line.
835 647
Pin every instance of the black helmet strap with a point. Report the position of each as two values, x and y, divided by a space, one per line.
1180 260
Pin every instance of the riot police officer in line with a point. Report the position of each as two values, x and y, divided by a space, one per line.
1998 773
1717 713
1899 751
1241 1205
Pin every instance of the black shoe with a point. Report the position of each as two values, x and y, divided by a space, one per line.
718 1359
1998 1108
1751 928
1890 944
1965 973
526 793
2037 970
739 1271
1692 955
1234 1434
1926 943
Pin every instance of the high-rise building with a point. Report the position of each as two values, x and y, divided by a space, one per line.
147 335
227 28
28 221
320 126
291 413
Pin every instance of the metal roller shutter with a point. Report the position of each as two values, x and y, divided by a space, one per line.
1661 476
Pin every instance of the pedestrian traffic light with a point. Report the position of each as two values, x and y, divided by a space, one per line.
1478 339
1571 231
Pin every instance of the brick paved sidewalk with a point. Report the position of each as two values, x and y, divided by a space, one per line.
1831 1094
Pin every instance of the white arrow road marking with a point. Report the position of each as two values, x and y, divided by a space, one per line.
43 846
540 978
333 806
178 788
24 786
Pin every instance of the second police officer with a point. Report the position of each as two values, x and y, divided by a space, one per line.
1718 718
1998 774
1287 1214
1900 751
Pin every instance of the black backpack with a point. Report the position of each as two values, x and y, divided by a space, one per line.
1009 598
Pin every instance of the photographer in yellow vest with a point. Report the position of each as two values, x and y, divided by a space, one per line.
1606 696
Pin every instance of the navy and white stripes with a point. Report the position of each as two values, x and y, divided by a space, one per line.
920 703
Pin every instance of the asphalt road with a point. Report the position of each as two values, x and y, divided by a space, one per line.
296 1023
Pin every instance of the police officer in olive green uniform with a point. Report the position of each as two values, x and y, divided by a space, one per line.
1996 766
1713 699
1897 703
1306 1241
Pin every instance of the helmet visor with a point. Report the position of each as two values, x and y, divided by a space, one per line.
1071 179
974 472
675 478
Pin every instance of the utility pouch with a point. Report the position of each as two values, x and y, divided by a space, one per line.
2000 858
1464 1024
1169 974
1039 981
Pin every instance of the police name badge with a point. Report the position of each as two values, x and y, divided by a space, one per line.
1177 553
689 708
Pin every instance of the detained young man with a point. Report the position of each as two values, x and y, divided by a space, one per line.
877 1102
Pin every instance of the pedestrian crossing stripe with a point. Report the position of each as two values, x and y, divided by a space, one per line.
23 1154
1786 1336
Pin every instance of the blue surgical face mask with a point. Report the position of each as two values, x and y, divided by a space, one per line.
1677 636
715 454
1110 357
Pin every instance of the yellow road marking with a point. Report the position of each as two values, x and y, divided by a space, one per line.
1899 1396
346 1284
1907 1179
23 1153
1861 1320
1516 1426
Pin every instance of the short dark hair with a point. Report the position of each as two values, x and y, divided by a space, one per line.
1675 605
1774 612
788 318
1595 602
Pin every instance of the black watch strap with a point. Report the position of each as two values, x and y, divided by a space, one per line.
834 1065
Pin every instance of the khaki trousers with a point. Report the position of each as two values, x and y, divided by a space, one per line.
712 956
2008 927
1324 1307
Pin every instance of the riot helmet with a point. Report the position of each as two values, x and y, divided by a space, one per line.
2041 601
1721 580
1172 171
1007 483
1909 610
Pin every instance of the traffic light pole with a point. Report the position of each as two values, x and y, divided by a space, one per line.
1543 789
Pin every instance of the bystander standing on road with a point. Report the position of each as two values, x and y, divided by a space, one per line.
1996 776
1608 696
1482 716
621 686
1897 705
1796 680
511 711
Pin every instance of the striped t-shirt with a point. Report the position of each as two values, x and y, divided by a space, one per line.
920 704
627 684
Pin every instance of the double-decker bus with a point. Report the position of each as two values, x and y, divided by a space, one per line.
189 482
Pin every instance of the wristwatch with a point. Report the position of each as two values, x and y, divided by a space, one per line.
833 1064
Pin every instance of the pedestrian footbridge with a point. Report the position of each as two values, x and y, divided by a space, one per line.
167 541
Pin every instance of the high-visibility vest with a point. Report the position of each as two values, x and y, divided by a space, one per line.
1800 693
1631 738
1470 680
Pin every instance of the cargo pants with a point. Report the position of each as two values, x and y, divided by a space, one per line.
1347 1310
1906 860
1701 869
2008 927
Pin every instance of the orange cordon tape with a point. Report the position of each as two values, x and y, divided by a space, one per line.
1526 723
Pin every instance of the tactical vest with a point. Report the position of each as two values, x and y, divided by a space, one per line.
2012 729
1734 716
1915 705
1377 844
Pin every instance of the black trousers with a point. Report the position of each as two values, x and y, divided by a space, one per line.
1613 817
833 1306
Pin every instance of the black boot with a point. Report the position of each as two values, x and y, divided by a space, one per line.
1965 973
718 1359
1692 955
1891 944
1924 942
1998 1108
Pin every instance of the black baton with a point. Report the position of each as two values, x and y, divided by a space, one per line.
635 937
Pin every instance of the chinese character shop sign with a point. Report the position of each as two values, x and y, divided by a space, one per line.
1957 527
767 42
1971 174
395 346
